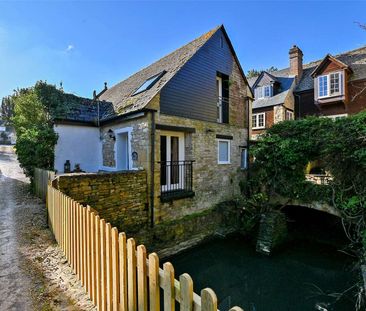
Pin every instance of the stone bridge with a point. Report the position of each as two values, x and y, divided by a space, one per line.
319 206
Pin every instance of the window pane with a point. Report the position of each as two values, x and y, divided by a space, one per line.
223 151
254 120
323 86
334 83
243 158
267 91
260 120
163 172
149 83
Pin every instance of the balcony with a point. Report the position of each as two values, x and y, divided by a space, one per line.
176 180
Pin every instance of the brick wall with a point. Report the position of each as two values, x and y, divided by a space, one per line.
120 198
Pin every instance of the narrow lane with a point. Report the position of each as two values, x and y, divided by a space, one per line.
15 285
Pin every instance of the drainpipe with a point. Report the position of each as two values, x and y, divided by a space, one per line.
152 169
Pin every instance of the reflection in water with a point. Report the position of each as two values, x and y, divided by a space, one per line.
303 276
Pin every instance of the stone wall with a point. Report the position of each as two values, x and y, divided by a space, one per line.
170 237
140 142
120 198
212 182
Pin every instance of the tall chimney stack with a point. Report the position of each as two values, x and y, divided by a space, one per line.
296 62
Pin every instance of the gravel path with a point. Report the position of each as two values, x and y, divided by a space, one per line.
34 274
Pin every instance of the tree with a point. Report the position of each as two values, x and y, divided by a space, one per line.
255 73
34 111
7 109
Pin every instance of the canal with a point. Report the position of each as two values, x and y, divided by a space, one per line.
305 273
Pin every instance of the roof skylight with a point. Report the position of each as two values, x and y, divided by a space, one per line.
149 83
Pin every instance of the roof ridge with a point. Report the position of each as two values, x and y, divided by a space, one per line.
312 63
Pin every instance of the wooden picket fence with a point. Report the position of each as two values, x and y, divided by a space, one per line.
115 273
41 179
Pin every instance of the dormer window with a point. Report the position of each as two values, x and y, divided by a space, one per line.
330 85
263 91
267 91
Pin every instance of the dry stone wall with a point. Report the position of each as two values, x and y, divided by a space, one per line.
120 198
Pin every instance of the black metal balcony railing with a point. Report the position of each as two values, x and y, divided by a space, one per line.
176 180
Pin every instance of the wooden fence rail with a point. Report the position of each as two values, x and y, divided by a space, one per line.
41 179
115 273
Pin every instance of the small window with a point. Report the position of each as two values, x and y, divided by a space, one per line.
221 42
223 146
330 85
148 83
263 91
323 86
222 93
244 159
267 91
289 115
259 120
334 83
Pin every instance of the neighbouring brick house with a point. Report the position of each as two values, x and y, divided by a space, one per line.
184 120
334 86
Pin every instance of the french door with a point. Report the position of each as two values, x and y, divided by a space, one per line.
172 159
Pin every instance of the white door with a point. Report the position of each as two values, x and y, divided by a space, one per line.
172 161
122 151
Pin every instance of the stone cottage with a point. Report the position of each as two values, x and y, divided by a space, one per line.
185 120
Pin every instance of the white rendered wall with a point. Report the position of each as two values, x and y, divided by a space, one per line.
79 144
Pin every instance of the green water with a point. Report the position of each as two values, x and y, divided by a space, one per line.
298 277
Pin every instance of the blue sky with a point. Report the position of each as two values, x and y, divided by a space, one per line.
85 43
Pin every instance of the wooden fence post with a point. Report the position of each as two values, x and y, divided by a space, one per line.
123 271
208 300
93 259
131 274
154 286
103 269
141 278
98 263
109 265
88 252
186 292
115 269
169 292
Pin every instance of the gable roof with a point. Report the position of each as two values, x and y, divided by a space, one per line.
285 83
120 94
121 99
355 60
260 77
329 58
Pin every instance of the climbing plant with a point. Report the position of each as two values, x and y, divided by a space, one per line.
283 153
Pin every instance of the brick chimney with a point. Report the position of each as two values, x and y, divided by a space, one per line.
296 62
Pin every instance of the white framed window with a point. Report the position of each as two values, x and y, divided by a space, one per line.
267 91
244 158
263 91
259 120
289 115
223 151
330 84
335 83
